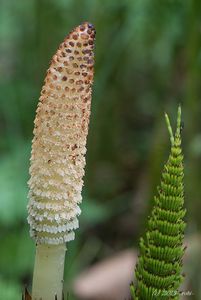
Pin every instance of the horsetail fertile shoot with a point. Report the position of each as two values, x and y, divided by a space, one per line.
58 158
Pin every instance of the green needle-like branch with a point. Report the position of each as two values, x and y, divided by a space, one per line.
169 127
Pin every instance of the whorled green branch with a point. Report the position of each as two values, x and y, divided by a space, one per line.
158 271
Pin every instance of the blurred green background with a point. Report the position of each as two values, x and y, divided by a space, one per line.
148 59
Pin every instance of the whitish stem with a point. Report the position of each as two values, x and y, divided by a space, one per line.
48 272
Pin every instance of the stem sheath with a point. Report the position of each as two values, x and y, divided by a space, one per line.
48 272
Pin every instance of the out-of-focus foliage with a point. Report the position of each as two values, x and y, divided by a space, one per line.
9 290
148 58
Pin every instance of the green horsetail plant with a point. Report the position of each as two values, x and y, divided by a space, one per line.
58 158
158 271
